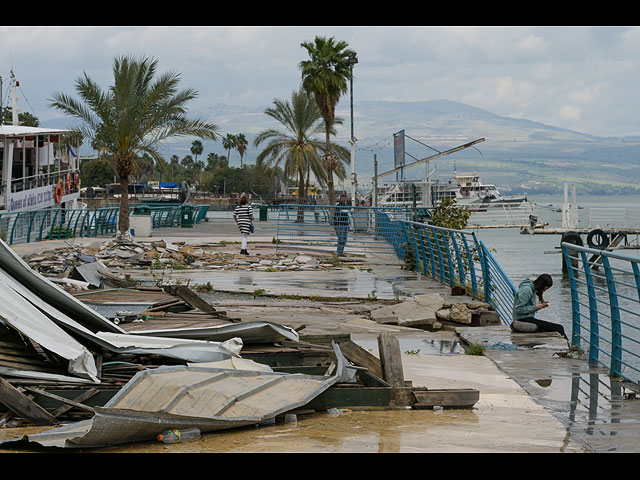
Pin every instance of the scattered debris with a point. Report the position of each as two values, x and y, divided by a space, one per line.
430 311
97 264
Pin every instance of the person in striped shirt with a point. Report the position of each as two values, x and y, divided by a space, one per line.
243 216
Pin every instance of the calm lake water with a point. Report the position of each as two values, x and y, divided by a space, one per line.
523 256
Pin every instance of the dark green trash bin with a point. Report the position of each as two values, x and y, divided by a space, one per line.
141 210
186 216
264 213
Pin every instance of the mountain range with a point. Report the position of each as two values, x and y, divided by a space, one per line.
518 155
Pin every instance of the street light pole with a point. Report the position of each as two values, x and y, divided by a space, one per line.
353 59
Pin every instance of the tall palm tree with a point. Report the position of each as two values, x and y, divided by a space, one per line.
133 116
229 143
295 147
196 148
241 145
325 75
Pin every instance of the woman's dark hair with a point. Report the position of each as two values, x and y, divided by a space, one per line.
541 282
244 200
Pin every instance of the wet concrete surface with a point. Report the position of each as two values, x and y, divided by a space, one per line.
531 399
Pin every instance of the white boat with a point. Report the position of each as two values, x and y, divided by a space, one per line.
467 190
470 191
37 172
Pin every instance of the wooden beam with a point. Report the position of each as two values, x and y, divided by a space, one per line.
21 405
449 398
68 404
358 355
391 360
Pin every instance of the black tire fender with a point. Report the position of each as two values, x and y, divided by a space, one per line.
597 239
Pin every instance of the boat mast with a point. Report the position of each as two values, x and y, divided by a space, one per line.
14 100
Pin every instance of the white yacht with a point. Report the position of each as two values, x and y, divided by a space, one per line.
467 190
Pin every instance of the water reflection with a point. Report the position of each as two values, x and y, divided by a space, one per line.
416 344
592 401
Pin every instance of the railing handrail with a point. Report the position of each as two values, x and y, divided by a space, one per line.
448 255
65 223
617 329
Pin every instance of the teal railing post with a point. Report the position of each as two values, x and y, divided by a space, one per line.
461 272
616 329
594 330
450 267
440 258
636 275
33 214
423 253
484 265
13 227
472 269
575 303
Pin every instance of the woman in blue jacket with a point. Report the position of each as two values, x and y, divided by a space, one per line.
526 303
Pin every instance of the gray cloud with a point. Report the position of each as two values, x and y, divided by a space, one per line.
580 78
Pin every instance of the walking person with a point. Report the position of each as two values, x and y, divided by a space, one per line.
341 223
528 301
243 216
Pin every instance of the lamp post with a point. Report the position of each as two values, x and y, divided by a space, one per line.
351 61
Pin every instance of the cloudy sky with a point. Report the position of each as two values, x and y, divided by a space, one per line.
581 78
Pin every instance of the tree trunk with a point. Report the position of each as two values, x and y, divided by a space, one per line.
329 167
123 218
301 196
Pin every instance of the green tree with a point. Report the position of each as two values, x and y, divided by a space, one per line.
295 147
196 148
241 145
24 118
215 161
137 112
98 172
325 75
229 143
449 215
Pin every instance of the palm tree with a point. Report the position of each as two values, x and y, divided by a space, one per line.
196 148
241 145
325 75
133 116
228 143
295 147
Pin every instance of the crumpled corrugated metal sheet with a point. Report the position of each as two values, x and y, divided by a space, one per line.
17 268
48 315
183 397
249 332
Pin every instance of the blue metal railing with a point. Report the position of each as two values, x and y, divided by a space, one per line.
323 228
453 257
58 223
459 258
605 304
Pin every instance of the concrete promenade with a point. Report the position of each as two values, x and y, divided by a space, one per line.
532 399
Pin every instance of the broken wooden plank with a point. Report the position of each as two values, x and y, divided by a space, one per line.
358 355
446 398
79 399
193 299
391 360
22 405
60 399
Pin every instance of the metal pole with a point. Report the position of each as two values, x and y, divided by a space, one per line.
375 180
353 142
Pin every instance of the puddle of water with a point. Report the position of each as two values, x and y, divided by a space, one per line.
416 345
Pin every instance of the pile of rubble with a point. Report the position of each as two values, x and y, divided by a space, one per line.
68 264
431 312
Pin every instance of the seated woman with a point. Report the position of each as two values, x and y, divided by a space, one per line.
525 307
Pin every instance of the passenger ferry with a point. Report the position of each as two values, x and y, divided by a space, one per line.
468 191
38 172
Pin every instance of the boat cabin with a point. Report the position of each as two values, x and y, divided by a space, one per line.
36 172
